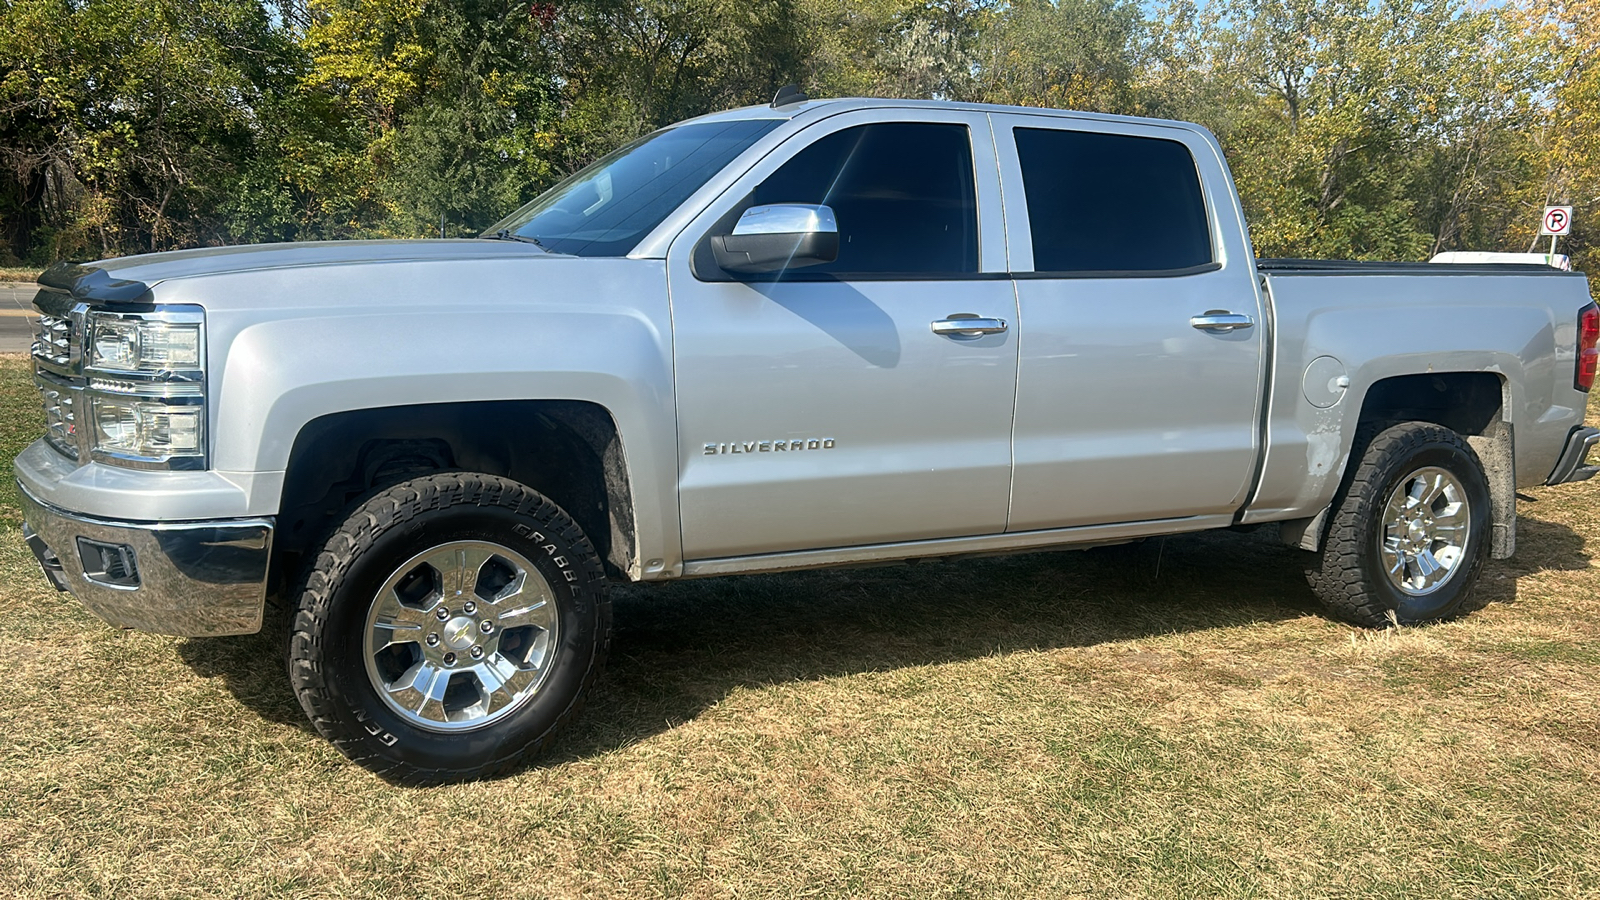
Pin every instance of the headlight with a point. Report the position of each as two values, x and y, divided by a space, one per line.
154 429
126 343
146 388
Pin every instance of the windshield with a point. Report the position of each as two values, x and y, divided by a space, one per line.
609 206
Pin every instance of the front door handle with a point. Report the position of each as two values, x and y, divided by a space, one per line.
968 325
1220 321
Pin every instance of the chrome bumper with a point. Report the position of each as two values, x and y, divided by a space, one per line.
196 579
1573 465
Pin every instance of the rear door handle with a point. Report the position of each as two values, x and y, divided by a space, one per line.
968 325
1221 321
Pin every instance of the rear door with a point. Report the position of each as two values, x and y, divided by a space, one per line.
820 407
1140 371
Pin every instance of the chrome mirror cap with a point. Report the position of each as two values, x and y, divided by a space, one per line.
787 218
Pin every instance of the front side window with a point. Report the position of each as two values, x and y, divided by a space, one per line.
1111 202
902 193
609 206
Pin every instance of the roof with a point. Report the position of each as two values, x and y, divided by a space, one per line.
832 106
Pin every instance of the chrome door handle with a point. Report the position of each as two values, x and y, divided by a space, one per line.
968 325
1221 321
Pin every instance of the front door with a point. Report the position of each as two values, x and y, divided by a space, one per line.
818 408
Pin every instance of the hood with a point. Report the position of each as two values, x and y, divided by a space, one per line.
129 279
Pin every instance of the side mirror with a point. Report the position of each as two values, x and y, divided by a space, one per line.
777 237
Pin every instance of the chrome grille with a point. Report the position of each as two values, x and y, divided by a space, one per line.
52 339
57 370
60 415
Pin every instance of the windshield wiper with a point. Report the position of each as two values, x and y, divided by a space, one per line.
504 235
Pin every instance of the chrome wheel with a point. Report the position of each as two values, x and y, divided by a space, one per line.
461 635
1426 526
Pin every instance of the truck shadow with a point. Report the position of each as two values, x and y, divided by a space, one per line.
680 648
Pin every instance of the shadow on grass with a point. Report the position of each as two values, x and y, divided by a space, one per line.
681 647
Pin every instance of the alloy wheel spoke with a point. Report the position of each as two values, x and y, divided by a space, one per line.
537 612
1452 516
1435 489
513 588
432 705
395 623
1396 507
392 613
1416 490
504 681
421 690
1428 564
1393 551
458 566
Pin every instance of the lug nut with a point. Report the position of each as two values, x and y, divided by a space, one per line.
487 628
433 640
442 614
477 653
469 608
449 659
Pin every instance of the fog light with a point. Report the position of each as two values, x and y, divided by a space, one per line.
109 564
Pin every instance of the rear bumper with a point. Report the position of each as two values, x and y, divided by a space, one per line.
196 579
1574 465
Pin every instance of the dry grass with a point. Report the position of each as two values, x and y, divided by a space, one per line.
1168 720
19 275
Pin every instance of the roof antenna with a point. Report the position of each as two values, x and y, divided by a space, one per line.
789 94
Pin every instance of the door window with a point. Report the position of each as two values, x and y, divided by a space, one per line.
1111 202
902 193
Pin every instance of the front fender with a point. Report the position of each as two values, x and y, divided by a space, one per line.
426 333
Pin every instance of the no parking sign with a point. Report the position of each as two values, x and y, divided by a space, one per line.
1557 221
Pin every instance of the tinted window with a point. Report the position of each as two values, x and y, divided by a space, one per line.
902 193
1109 202
609 206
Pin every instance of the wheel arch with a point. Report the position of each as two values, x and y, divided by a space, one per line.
568 450
1475 404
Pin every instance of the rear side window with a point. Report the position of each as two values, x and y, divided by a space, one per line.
902 193
1111 203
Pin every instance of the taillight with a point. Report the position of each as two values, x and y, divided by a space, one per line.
1588 337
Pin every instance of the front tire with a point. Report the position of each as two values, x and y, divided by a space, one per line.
1409 533
449 628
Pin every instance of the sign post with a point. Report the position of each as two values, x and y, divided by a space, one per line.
1557 221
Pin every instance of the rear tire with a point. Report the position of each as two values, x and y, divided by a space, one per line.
1408 533
449 628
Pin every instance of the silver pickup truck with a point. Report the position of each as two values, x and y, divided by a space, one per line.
812 334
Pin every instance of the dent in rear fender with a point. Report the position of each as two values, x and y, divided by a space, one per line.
279 375
1380 330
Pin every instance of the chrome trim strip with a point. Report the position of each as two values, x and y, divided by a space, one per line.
1014 542
197 579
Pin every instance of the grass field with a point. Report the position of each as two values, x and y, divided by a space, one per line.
1172 719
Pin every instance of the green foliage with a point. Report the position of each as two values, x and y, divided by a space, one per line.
122 122
1071 54
1355 128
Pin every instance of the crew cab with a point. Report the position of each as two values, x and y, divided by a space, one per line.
816 333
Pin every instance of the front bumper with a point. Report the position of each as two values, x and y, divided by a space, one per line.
1573 465
196 579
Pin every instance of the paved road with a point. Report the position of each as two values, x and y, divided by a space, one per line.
16 316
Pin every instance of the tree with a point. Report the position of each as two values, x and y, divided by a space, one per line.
1068 54
122 120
